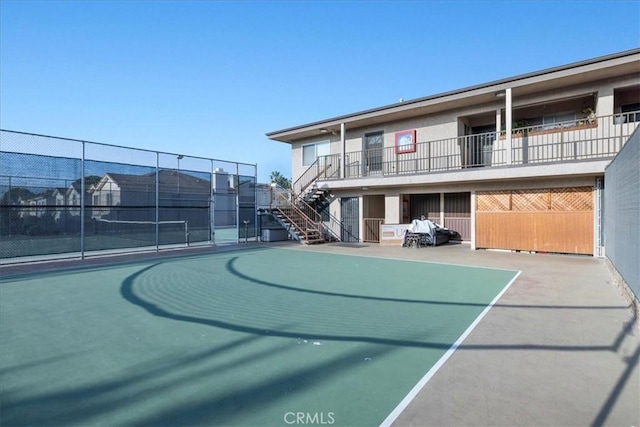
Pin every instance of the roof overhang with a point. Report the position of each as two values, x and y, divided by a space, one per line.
605 67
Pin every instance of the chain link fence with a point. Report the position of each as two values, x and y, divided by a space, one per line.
69 197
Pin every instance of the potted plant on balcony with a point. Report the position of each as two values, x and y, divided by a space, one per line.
519 127
590 115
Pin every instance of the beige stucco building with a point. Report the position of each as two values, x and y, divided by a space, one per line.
515 164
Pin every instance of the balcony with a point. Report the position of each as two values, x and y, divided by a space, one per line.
577 140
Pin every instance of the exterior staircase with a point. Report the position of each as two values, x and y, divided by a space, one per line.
301 220
319 199
300 210
299 226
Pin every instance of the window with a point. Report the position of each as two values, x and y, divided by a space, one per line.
559 120
311 152
631 112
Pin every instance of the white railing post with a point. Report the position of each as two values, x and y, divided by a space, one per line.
342 150
509 118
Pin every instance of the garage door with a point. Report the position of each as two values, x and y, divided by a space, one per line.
544 220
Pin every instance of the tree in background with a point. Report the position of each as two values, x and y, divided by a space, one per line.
277 178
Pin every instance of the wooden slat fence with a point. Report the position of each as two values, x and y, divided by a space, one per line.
542 220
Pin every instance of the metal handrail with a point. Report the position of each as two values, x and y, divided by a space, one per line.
317 169
580 139
301 221
307 178
284 197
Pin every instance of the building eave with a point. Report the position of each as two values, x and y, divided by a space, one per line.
592 69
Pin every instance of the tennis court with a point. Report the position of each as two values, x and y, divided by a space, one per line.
261 336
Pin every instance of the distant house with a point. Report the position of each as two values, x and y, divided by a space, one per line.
39 214
73 199
57 202
44 205
128 197
122 197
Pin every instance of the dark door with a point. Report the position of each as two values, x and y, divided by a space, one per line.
481 145
373 146
350 230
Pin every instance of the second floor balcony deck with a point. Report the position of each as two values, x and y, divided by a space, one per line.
571 141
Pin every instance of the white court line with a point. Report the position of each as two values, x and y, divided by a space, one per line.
418 387
423 261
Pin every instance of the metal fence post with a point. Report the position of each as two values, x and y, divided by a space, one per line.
212 209
82 209
238 203
255 201
157 202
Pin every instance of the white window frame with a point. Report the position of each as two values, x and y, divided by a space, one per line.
629 112
316 152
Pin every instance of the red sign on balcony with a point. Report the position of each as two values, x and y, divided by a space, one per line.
406 141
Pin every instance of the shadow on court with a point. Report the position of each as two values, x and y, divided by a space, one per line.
248 369
84 404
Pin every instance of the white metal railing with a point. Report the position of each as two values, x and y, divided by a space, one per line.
581 139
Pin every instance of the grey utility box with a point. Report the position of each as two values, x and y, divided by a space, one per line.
274 235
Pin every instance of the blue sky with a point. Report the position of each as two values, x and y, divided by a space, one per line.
210 78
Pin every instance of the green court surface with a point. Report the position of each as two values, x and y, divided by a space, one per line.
249 337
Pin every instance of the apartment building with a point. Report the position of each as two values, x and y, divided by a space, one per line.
514 164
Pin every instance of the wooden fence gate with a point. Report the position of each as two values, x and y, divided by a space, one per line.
544 220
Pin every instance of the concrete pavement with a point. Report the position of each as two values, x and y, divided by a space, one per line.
560 348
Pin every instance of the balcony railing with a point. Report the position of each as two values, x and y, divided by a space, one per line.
583 139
